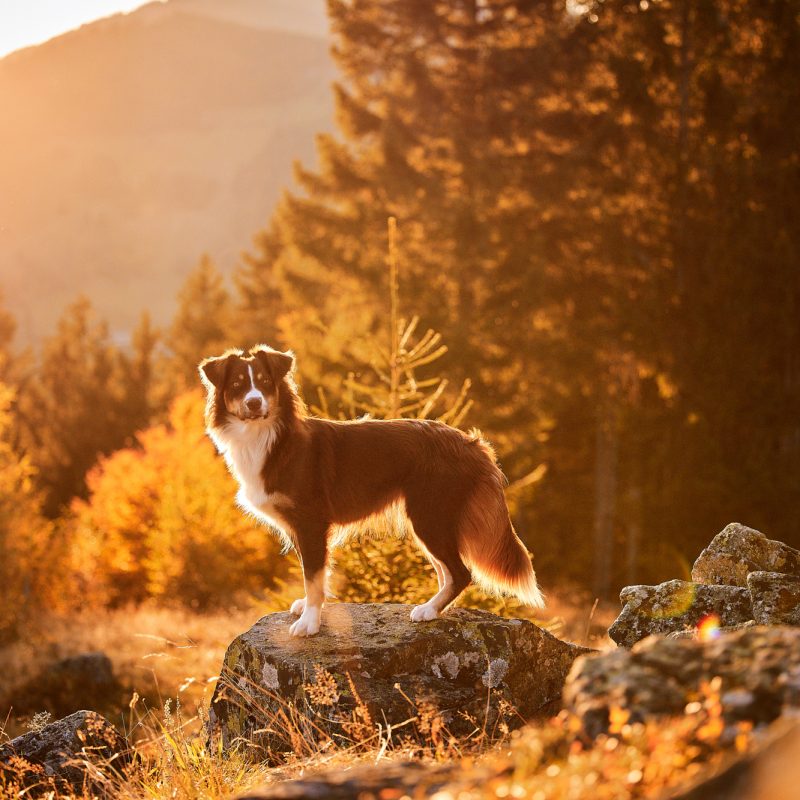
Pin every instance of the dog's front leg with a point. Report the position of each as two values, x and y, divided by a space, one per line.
313 554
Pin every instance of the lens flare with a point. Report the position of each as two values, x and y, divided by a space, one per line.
708 628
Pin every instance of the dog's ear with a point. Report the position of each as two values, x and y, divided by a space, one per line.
212 370
275 361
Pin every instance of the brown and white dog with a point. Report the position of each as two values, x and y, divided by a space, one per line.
311 478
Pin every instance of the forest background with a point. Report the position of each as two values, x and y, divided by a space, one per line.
597 208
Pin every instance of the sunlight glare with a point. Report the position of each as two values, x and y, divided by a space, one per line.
28 22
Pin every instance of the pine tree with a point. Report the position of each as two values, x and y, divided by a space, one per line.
8 327
395 390
74 408
139 374
201 324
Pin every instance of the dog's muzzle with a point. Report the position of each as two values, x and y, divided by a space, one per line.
255 408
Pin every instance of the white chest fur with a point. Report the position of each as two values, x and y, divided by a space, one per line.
246 446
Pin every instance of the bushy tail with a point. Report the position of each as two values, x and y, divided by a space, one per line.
492 550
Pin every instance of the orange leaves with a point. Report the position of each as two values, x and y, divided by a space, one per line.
29 567
161 521
618 719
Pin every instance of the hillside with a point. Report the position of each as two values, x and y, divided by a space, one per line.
138 142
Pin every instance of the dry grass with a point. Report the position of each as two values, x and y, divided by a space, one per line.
156 653
552 760
168 660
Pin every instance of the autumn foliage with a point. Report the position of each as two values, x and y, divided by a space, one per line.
30 573
161 522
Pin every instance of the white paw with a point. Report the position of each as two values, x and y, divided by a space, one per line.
298 607
308 624
424 613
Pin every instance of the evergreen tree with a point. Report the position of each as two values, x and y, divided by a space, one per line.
200 326
139 374
75 407
8 327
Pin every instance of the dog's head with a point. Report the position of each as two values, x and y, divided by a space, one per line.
246 386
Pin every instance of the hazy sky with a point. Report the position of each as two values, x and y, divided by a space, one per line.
25 22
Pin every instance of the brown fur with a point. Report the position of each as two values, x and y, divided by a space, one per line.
320 474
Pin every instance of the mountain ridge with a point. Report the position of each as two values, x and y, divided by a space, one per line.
139 144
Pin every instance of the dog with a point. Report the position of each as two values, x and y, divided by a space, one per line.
313 479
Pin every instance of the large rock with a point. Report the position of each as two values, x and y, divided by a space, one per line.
64 686
78 752
776 598
759 669
737 551
676 606
370 664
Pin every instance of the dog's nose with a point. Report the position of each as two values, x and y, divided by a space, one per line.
253 403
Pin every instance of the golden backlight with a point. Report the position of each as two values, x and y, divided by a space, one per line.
28 22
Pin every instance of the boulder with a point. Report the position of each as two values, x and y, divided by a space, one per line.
676 606
758 668
737 551
776 598
78 752
370 666
67 685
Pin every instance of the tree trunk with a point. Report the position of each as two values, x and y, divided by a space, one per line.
605 501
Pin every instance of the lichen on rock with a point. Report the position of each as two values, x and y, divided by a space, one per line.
70 754
775 597
676 606
737 550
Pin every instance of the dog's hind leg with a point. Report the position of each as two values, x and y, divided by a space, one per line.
439 543
439 569
435 563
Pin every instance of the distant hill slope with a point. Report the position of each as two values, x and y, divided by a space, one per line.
133 145
299 16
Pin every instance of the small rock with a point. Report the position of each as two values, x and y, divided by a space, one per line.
759 668
737 551
776 598
78 752
676 606
273 686
84 680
